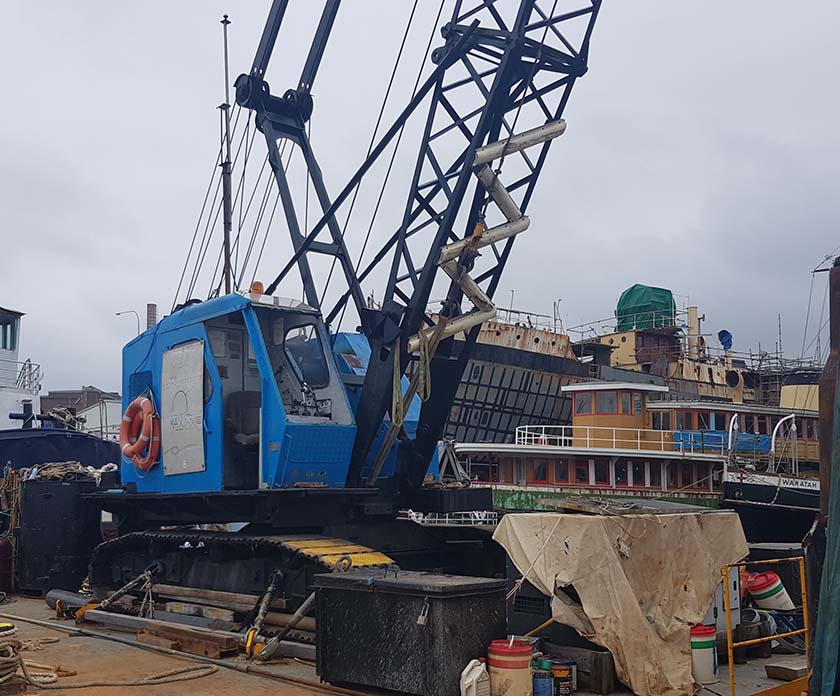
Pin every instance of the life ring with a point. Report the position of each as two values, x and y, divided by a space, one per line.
139 431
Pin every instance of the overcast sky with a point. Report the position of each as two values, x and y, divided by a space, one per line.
701 155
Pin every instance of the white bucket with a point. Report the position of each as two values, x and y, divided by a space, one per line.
704 664
768 592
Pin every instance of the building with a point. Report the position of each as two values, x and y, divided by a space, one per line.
76 399
20 380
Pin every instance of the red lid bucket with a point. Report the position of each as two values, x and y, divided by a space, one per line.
701 631
504 647
502 654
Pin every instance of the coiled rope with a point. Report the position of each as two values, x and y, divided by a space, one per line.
12 665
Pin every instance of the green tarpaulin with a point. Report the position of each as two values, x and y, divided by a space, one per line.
645 307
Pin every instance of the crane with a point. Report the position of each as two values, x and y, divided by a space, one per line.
265 412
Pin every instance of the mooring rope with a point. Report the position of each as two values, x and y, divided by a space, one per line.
13 665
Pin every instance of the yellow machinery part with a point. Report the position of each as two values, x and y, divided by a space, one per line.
330 551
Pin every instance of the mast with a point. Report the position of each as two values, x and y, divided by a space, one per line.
227 206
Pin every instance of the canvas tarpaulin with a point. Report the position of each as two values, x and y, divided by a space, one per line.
642 580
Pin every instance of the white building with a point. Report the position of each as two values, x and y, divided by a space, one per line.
20 380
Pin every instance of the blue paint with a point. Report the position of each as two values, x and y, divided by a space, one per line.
718 440
294 450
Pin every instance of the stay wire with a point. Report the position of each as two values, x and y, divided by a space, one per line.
242 141
807 317
236 196
393 158
376 132
198 222
260 211
270 219
208 228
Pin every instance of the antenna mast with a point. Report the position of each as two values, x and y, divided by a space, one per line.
227 214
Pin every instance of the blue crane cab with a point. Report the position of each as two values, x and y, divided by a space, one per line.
248 394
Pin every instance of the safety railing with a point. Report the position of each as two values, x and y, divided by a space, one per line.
23 375
604 437
727 598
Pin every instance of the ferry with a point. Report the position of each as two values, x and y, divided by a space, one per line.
522 362
635 441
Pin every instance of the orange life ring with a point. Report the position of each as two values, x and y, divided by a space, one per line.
139 431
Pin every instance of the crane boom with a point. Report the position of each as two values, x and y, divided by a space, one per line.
502 80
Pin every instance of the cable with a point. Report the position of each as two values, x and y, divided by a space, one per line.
270 219
236 195
13 665
391 161
375 133
208 228
201 214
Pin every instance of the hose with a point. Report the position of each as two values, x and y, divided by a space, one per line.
12 665
246 667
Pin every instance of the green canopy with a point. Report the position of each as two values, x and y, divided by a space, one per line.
645 307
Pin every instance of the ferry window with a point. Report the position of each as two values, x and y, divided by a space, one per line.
485 416
625 403
684 420
687 476
561 471
748 423
655 474
704 420
661 420
638 474
761 425
621 473
540 471
476 372
809 428
720 420
583 403
304 350
602 473
637 404
671 475
605 402
582 472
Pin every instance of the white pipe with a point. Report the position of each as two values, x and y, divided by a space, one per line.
491 236
515 143
733 429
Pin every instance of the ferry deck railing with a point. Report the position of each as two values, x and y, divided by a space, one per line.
605 437
22 375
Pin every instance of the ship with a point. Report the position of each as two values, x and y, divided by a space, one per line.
635 443
522 361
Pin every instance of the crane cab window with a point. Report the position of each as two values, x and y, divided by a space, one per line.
303 348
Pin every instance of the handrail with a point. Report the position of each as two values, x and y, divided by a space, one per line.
25 375
606 437
795 457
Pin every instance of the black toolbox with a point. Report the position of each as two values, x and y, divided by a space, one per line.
412 632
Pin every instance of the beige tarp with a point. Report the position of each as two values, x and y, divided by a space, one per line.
643 580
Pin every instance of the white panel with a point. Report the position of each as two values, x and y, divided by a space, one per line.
182 409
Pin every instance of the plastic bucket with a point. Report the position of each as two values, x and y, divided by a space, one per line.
768 592
704 663
510 668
